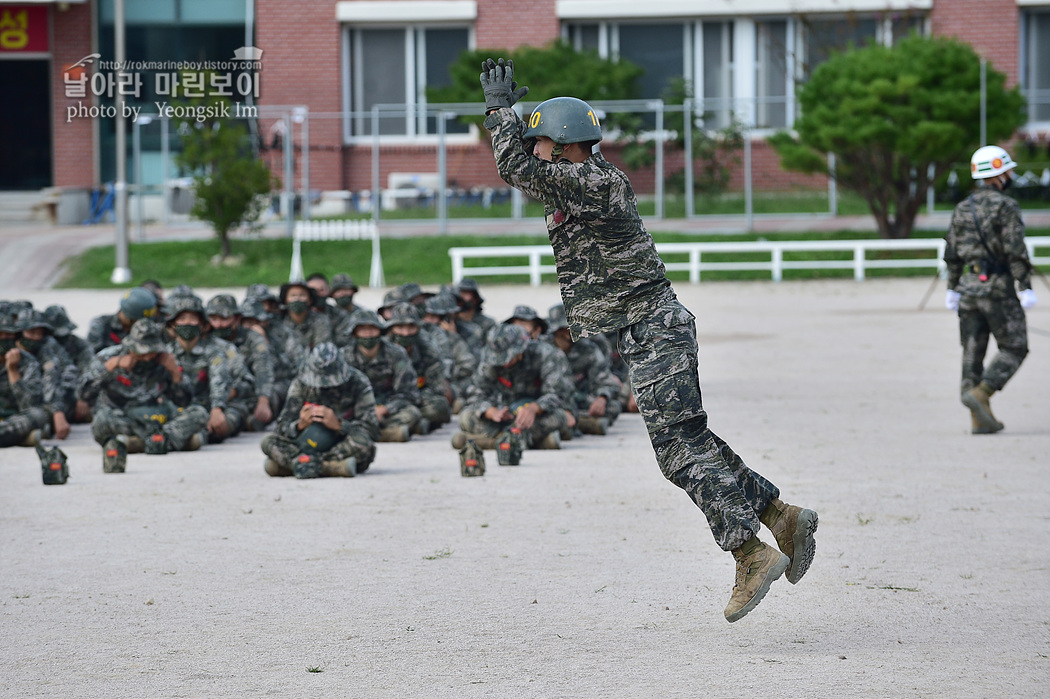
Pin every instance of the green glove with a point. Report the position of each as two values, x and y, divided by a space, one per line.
497 79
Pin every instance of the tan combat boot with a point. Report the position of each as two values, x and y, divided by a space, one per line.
757 566
32 439
551 441
976 399
459 440
593 425
275 469
344 468
394 433
135 444
793 528
422 427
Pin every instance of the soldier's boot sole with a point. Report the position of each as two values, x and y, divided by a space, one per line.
275 470
593 425
114 457
976 399
754 576
344 468
396 433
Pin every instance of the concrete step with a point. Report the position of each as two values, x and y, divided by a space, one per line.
22 207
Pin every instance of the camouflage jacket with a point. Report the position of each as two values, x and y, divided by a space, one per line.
254 349
78 350
27 392
429 370
590 372
339 320
352 401
242 380
542 376
315 329
608 268
105 331
146 384
1003 231
390 372
288 354
206 367
473 334
59 374
460 363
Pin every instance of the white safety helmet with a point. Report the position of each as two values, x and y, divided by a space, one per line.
989 161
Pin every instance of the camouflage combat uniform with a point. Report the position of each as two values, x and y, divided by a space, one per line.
105 331
393 380
147 385
340 387
540 377
989 307
22 402
429 369
315 329
76 347
255 351
59 376
206 366
612 278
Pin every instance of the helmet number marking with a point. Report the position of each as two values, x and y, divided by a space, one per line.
534 120
594 119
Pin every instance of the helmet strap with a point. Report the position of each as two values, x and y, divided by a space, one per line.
557 150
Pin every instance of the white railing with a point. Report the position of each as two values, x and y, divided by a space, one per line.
775 265
364 229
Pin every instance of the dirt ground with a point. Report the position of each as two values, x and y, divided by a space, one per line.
582 572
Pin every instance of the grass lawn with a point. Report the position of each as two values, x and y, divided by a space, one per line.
424 259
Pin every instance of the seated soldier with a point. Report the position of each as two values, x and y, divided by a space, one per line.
249 356
391 374
435 393
23 416
460 362
286 358
60 375
305 324
343 290
109 330
76 347
205 363
596 390
519 383
338 317
137 387
328 426
528 318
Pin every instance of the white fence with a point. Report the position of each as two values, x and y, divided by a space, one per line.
333 230
775 265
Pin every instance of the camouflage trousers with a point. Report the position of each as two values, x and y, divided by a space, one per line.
409 416
15 428
237 415
546 423
285 451
661 354
109 422
436 409
1002 318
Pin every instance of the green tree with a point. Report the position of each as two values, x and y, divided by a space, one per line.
229 181
888 113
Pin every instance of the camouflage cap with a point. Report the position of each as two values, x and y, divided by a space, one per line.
442 304
145 337
556 319
262 292
287 286
59 319
182 290
363 316
505 343
181 304
342 281
469 284
20 305
32 318
253 307
403 313
138 303
527 313
325 367
9 322
222 305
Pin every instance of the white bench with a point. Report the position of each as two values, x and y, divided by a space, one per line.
328 230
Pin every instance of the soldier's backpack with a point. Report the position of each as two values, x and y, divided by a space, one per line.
54 466
510 447
471 460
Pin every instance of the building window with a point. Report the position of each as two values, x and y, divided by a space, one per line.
1035 65
826 37
717 74
773 58
411 59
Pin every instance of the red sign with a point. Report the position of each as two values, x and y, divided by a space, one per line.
23 28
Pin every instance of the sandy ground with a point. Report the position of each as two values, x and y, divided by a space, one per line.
581 573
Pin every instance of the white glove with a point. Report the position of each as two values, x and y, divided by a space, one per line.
1028 299
951 300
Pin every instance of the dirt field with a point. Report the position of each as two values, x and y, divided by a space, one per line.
580 573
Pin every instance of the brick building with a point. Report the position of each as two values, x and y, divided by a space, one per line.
338 58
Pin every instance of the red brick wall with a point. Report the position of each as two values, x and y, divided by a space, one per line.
991 26
72 155
508 24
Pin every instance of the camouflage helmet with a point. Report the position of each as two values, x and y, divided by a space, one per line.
182 304
32 318
342 281
59 319
325 367
363 316
442 304
403 313
9 321
505 343
145 337
253 307
138 303
20 305
524 312
556 319
564 120
182 290
222 305
262 292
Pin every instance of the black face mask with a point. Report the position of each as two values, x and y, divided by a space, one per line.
1009 182
7 345
226 333
406 341
344 301
188 332
367 343
31 346
298 307
143 366
466 305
